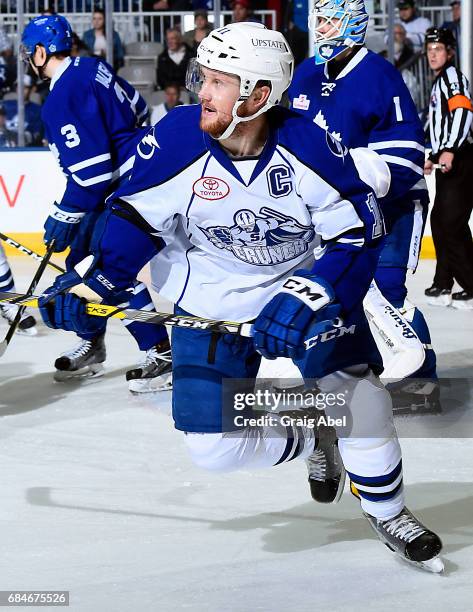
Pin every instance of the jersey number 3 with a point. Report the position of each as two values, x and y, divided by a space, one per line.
72 137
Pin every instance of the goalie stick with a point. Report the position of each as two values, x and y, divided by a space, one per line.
23 249
22 306
143 316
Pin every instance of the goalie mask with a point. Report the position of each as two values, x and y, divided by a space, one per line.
337 25
251 52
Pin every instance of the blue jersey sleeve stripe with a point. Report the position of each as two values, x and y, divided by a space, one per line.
396 144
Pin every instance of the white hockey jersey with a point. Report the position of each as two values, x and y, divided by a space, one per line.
234 228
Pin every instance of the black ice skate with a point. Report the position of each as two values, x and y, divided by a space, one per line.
463 300
438 297
84 360
155 373
410 540
325 467
27 324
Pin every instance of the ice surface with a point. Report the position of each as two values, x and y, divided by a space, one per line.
98 497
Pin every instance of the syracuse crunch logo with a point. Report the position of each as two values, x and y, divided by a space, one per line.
211 188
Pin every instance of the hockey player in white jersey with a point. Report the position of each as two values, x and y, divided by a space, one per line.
27 324
257 157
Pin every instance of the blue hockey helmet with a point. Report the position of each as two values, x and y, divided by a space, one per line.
337 25
53 32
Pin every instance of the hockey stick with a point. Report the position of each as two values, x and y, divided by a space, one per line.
28 251
143 316
39 273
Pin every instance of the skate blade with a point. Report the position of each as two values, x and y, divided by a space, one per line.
459 305
150 385
92 371
445 300
29 331
434 565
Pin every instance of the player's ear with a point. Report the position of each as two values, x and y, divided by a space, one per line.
40 55
260 95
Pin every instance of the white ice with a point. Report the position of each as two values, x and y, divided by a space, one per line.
98 497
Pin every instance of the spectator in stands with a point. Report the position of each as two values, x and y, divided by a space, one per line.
172 91
241 11
171 5
7 137
79 48
95 40
403 50
455 25
172 62
295 29
33 123
413 23
192 38
7 62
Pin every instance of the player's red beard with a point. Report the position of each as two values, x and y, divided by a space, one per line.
216 124
215 127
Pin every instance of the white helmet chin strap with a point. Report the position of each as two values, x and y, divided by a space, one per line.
236 119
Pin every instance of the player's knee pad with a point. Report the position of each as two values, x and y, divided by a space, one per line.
214 451
364 405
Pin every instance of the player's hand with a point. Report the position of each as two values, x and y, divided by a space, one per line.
428 167
281 327
62 225
69 312
85 281
446 161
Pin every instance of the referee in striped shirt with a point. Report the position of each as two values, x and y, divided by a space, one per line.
450 118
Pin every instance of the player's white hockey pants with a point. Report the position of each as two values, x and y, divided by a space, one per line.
368 444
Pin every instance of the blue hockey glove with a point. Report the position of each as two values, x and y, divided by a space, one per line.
62 225
69 314
281 327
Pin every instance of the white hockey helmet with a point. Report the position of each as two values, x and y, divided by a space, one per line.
253 53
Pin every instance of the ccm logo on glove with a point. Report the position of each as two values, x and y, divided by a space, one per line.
309 292
66 217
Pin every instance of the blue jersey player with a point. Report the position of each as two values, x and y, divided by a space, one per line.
91 118
248 189
358 97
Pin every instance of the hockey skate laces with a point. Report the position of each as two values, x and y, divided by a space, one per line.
153 354
79 350
404 527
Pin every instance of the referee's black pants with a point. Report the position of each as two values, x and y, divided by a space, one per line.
449 222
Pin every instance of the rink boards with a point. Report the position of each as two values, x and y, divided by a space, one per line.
30 181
